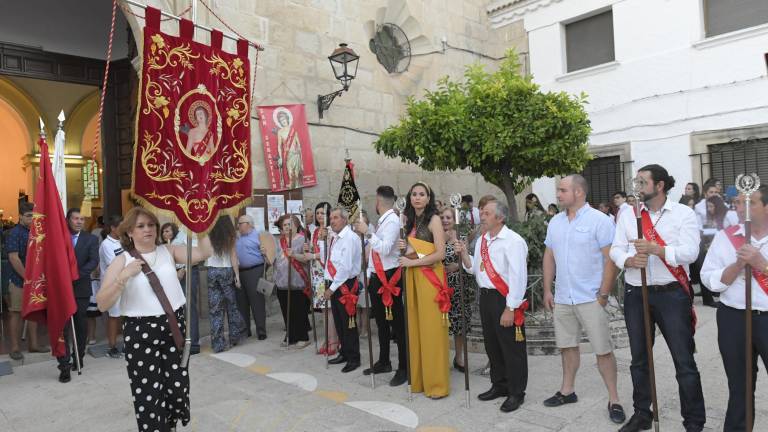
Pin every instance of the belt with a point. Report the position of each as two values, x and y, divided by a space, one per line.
754 311
672 286
242 269
486 290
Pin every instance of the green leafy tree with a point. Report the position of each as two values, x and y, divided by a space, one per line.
499 125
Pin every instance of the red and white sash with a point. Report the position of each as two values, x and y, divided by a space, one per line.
389 288
501 286
738 241
650 233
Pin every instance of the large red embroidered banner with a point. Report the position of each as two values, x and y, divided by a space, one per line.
193 153
287 149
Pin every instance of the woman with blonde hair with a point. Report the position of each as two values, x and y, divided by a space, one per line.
159 380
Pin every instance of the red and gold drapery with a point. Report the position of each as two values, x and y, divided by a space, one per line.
193 153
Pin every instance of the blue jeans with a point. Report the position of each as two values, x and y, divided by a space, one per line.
671 311
194 316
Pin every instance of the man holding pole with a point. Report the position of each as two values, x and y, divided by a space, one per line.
341 272
385 285
578 243
670 242
723 271
499 265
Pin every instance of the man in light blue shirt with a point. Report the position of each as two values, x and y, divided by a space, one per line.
250 302
578 245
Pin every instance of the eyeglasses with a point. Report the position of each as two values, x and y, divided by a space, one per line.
240 223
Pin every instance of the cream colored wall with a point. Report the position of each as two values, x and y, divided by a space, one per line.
14 144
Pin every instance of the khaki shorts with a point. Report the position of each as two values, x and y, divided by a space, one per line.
570 319
16 297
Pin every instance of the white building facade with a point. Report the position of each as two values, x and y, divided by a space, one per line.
681 83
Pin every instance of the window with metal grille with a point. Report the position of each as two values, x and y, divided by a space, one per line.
725 16
604 176
728 160
589 41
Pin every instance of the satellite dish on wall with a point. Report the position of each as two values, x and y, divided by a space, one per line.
392 48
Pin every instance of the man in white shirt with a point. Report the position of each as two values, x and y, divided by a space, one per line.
578 242
108 250
341 271
670 243
500 268
469 213
723 271
385 284
620 202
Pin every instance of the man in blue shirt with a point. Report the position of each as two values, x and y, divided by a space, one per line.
251 257
578 245
16 245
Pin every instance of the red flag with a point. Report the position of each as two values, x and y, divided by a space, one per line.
51 265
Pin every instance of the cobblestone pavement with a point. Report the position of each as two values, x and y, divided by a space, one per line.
258 386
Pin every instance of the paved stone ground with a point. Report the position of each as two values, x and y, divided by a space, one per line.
259 386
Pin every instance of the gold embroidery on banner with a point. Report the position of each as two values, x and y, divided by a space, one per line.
37 288
158 158
37 235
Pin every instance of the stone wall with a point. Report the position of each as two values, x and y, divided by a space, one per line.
299 35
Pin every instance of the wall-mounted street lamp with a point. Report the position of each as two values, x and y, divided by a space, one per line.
344 63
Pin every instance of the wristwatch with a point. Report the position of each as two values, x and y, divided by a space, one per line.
603 296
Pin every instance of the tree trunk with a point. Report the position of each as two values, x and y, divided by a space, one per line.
509 193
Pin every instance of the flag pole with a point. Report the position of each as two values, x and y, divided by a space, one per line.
324 226
455 203
747 184
77 350
290 270
188 316
364 268
638 185
400 206
312 290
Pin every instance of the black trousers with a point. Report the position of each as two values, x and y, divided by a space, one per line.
508 357
731 338
349 337
671 311
81 333
251 302
299 328
397 324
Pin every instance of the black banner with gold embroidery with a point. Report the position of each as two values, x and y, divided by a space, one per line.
348 195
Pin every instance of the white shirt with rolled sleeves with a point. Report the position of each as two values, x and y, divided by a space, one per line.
509 254
384 242
678 227
346 255
721 254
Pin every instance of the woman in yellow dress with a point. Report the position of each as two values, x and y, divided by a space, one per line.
428 294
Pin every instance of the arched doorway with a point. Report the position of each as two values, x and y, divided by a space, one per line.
15 145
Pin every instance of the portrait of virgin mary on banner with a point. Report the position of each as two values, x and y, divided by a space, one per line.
192 154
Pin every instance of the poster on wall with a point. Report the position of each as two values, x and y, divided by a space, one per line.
287 148
275 209
257 214
295 207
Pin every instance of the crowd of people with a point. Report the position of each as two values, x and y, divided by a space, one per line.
423 276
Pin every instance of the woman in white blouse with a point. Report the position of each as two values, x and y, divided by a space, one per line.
159 383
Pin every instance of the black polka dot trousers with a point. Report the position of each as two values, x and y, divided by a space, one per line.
160 386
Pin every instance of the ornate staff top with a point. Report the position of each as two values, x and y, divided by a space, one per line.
747 184
400 207
638 184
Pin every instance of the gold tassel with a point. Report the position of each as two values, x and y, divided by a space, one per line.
351 322
445 320
519 335
388 313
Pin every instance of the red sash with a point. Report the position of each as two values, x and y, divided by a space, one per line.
299 269
198 148
389 287
349 300
738 242
316 247
444 291
502 287
650 233
289 143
